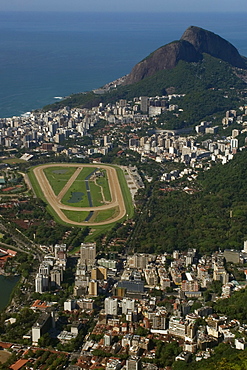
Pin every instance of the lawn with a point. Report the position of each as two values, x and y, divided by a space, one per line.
103 182
98 216
13 160
58 177
105 215
35 185
126 193
76 196
96 231
96 195
76 216
4 356
85 172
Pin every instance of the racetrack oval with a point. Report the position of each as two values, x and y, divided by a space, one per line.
117 199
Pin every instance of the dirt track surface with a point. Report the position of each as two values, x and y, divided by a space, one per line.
55 201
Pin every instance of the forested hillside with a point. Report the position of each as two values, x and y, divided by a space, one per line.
213 217
225 358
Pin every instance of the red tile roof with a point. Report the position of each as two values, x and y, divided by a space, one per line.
18 365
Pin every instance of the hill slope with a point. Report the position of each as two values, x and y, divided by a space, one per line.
176 220
200 61
194 42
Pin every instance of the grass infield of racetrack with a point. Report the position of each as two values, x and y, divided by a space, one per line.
78 187
103 182
77 190
98 216
58 177
102 215
77 216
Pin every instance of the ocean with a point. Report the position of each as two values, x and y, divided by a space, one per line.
48 55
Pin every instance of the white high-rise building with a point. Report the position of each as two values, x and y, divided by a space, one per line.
107 340
245 246
234 144
128 304
42 325
38 284
41 283
111 306
69 305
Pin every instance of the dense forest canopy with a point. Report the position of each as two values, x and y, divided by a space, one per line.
213 217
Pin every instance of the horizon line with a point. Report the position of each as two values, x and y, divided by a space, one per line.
125 11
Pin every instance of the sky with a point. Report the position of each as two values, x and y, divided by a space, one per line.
125 5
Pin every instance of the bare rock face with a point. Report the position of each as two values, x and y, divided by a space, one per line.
190 48
166 57
208 42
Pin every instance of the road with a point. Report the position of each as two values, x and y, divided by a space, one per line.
69 183
55 201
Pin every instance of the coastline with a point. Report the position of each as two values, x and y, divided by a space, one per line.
127 42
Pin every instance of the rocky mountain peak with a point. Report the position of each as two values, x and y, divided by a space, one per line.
194 42
208 42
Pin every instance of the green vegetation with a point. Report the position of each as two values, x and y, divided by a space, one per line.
75 100
37 359
213 217
166 352
126 193
76 196
234 307
35 185
225 358
97 232
55 216
103 182
14 182
98 216
13 160
77 193
45 233
41 228
24 321
198 105
86 171
58 177
49 360
106 214
96 195
22 264
76 216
